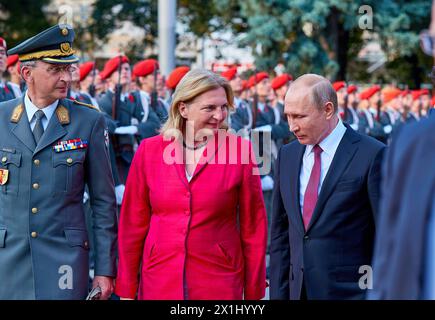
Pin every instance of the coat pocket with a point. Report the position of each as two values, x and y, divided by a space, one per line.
68 171
348 184
10 161
77 238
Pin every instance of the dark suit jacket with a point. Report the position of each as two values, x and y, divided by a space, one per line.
408 190
340 236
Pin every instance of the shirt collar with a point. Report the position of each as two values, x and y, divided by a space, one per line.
31 108
330 144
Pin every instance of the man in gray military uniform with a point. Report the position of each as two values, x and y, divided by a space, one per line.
50 147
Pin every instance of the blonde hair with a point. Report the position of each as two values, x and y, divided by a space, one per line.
193 84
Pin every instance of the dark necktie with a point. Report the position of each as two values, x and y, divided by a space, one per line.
311 193
38 130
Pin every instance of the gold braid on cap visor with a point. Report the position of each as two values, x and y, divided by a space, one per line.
46 54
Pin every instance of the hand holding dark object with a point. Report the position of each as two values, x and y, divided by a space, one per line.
106 286
94 294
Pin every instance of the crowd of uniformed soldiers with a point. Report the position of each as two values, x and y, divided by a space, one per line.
136 99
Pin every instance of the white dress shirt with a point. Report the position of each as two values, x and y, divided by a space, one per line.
31 110
329 146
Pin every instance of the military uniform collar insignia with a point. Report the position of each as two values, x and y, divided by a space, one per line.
62 114
17 113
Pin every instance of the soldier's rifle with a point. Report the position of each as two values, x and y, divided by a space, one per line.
92 89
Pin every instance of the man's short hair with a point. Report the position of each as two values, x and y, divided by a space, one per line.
320 90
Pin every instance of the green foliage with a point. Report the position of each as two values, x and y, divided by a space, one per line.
21 19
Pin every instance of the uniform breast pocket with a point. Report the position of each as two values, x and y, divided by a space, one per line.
10 164
68 171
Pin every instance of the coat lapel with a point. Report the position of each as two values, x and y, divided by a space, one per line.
292 198
54 130
209 153
174 145
21 126
345 152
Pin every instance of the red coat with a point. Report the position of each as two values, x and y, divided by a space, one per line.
186 235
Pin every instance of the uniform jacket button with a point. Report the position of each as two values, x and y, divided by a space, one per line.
36 186
34 210
34 234
36 162
4 159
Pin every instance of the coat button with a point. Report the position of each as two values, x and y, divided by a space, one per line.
306 238
36 162
4 159
34 234
34 210
69 160
86 244
36 186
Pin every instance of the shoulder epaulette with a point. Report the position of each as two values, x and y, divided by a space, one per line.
86 105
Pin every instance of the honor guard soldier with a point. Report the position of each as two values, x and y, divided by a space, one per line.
8 90
50 147
124 113
147 74
240 120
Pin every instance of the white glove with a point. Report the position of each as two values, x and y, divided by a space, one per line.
266 183
126 130
266 128
354 126
119 191
388 129
85 197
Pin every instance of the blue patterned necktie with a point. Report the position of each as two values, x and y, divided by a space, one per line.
38 130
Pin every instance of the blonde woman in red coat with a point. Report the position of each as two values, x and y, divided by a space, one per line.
193 223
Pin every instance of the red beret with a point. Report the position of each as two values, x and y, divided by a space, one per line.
85 69
416 94
12 60
368 93
3 43
260 76
424 92
405 93
244 84
432 101
338 85
176 75
145 67
281 80
351 89
111 66
230 73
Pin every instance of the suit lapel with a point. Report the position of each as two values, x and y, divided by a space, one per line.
175 146
21 129
54 131
345 152
292 198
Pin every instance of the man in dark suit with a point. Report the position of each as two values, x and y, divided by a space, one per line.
325 199
403 264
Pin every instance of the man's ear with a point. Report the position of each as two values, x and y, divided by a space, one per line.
329 110
27 74
182 108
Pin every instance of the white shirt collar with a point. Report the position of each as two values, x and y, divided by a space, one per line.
31 108
330 144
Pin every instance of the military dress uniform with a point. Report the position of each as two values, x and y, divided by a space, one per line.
44 244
